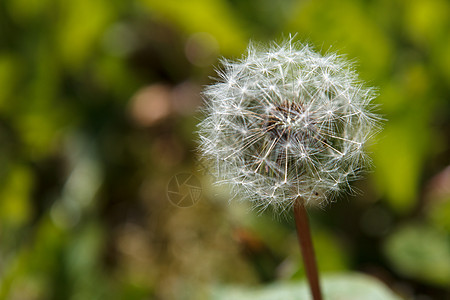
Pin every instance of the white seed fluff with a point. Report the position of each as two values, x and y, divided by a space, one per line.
285 122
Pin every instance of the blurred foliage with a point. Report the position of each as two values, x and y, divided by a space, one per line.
422 252
336 286
98 104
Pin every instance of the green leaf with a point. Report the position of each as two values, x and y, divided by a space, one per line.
337 286
421 252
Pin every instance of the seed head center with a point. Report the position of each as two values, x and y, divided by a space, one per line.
284 119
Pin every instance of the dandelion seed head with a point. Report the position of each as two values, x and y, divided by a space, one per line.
285 122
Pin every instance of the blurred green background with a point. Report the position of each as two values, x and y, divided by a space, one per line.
98 108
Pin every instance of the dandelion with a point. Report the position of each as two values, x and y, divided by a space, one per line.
285 123
286 127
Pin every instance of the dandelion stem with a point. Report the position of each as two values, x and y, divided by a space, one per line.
307 249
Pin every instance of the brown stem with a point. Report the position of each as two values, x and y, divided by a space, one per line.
306 246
